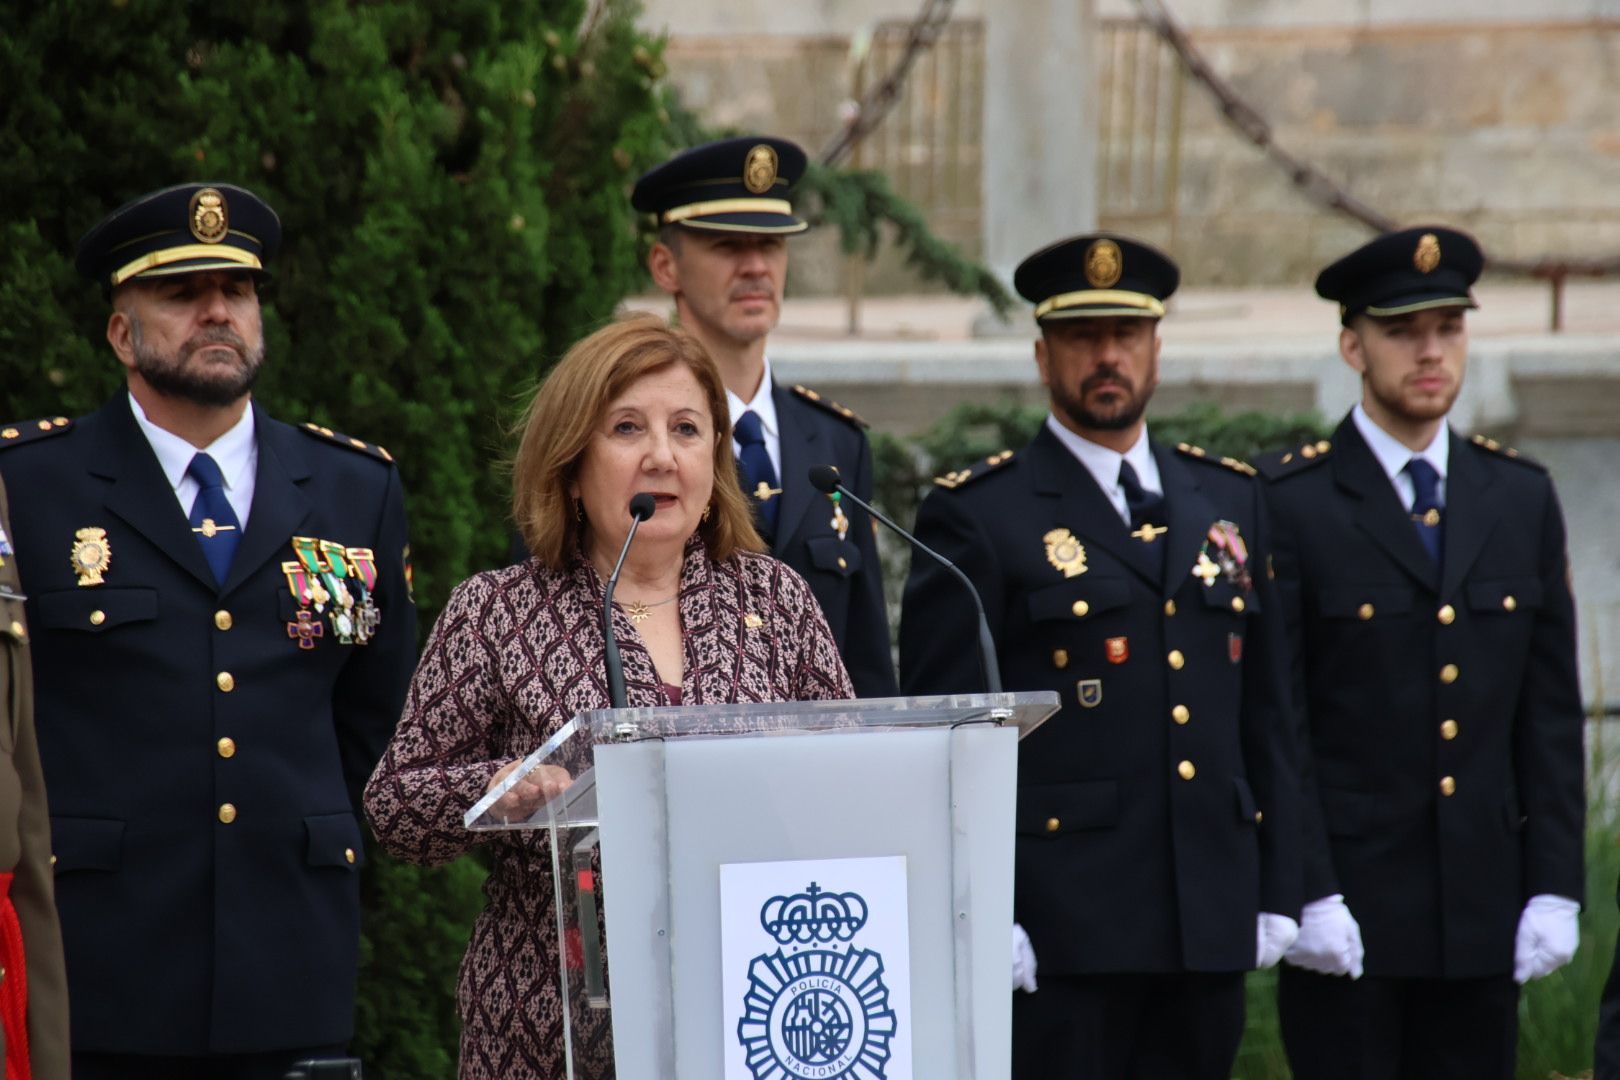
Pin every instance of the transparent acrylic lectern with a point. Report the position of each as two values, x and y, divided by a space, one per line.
663 798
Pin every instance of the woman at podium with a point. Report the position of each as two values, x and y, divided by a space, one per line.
701 616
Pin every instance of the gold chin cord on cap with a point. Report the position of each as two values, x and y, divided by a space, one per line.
727 206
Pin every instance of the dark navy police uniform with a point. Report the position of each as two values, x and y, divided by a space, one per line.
205 743
1443 785
1156 810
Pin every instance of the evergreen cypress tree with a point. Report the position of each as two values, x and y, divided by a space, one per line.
452 181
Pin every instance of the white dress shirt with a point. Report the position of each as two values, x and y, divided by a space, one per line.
763 406
236 453
1393 455
1103 464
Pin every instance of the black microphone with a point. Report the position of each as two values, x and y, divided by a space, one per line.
642 506
825 478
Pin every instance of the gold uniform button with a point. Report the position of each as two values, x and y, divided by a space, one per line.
843 564
1081 609
223 620
1169 607
1449 673
1448 786
225 681
227 813
1259 816
1238 604
1060 658
348 854
226 747
53 860
1364 612
1509 604
1447 615
1177 661
1186 770
1448 730
1053 824
19 631
1181 714
97 617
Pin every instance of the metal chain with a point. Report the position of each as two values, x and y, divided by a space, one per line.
1316 185
870 111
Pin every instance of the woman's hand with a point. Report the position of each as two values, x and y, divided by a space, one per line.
542 785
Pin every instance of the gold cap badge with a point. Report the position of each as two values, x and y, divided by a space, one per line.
1427 255
759 170
1065 553
1104 264
208 217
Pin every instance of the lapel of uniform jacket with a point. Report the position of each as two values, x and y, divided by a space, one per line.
1190 516
1083 507
140 493
1471 513
279 503
800 443
1381 515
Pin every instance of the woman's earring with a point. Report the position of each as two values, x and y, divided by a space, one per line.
706 510
579 510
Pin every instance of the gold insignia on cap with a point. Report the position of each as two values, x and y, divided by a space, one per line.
1104 264
92 555
1065 553
759 169
208 217
1427 255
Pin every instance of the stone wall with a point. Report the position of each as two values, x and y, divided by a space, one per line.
1500 125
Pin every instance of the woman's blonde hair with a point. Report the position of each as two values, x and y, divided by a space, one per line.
565 412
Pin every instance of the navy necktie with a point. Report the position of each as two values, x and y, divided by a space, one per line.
1428 512
1147 521
212 519
758 474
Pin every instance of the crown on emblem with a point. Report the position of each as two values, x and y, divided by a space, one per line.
813 916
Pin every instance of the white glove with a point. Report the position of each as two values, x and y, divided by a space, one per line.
1023 969
1273 934
1329 939
1549 931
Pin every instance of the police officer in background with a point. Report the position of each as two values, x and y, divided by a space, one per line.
1424 579
723 221
1157 843
222 636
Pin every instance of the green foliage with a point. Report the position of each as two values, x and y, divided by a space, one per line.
452 181
865 209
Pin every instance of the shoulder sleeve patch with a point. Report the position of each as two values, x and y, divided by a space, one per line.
27 431
1486 443
962 477
1274 466
328 435
840 411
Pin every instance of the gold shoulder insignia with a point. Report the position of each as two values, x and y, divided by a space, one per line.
840 411
1275 465
349 441
1198 453
26 431
961 477
1487 443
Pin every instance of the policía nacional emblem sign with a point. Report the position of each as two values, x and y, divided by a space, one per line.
817 976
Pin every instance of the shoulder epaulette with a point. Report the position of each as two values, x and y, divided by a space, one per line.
349 441
1485 443
1272 466
840 411
1200 454
32 430
962 477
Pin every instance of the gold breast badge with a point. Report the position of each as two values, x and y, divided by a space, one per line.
92 554
1065 553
